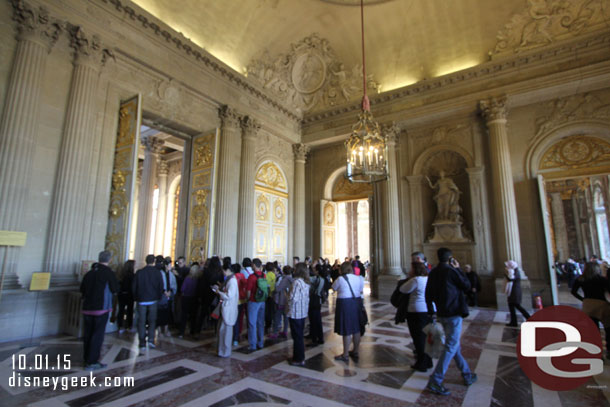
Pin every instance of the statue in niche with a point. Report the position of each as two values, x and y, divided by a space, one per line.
447 199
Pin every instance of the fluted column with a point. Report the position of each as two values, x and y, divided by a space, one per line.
507 243
152 147
65 239
225 234
37 33
415 183
300 157
391 235
480 215
161 208
559 226
245 221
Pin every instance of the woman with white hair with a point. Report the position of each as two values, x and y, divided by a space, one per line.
513 292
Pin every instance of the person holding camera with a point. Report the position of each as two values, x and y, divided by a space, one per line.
446 286
229 297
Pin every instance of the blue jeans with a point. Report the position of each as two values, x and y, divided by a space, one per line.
280 315
453 330
256 324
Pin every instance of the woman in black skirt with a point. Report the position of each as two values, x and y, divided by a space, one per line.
349 289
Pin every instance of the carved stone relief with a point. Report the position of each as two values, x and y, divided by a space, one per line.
458 134
576 107
545 21
576 152
309 77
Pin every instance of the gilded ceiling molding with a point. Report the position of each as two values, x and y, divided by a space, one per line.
34 23
545 21
195 52
485 71
576 107
309 77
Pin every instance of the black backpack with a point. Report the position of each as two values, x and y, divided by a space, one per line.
397 297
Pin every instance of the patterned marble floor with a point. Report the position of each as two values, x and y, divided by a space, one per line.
181 372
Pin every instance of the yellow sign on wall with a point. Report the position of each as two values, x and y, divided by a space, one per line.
40 281
11 238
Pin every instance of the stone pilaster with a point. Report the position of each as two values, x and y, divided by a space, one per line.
480 216
152 146
392 217
161 209
507 242
245 221
300 157
225 233
416 183
65 239
559 226
36 35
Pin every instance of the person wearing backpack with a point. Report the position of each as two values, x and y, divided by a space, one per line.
257 292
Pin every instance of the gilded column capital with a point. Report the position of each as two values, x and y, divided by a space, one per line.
300 152
35 24
163 169
229 117
249 127
494 109
392 133
88 49
152 144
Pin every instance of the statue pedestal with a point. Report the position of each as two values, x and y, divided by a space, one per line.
448 232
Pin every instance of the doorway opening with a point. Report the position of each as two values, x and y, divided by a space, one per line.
160 162
353 231
578 227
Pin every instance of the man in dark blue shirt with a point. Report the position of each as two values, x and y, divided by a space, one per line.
445 288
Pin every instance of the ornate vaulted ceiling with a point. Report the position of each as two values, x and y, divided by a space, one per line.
406 40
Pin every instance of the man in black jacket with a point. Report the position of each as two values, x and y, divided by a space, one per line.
147 291
97 288
445 288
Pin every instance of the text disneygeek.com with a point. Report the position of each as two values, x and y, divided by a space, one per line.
65 383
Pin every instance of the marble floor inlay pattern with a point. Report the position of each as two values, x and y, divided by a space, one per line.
187 373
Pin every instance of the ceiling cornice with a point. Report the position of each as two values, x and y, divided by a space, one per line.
192 50
566 50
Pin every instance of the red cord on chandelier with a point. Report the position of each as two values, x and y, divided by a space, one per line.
366 104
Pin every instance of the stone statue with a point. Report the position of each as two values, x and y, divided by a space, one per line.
446 198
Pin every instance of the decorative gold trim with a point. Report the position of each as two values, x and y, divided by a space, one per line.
576 172
271 176
576 152
270 191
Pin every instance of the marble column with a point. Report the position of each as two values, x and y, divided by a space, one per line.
559 226
227 209
577 222
36 35
64 247
508 246
480 217
392 264
245 220
300 157
152 147
161 209
415 183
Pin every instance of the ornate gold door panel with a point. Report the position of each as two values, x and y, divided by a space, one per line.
328 239
544 207
271 214
200 206
121 207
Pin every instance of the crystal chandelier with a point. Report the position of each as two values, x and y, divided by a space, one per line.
366 147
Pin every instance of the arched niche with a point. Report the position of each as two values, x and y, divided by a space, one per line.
271 212
553 154
453 161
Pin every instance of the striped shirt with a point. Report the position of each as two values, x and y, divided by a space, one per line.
298 299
